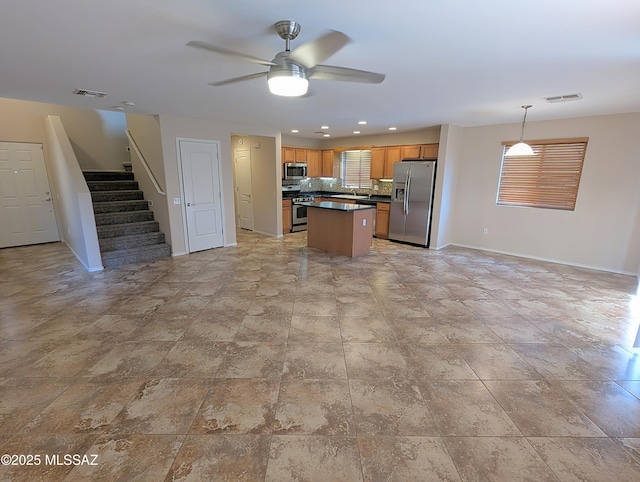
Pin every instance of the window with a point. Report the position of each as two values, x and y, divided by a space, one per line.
549 179
355 167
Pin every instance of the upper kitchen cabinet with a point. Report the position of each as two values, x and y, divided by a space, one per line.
382 161
314 162
294 154
393 155
420 151
377 162
328 158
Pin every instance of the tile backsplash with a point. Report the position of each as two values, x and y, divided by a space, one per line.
335 185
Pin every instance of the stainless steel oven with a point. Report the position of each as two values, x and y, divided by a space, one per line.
299 213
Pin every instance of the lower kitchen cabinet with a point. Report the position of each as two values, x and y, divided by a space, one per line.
382 220
286 216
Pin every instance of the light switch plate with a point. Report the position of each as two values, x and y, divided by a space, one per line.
176 200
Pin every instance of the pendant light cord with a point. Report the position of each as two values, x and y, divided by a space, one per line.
524 119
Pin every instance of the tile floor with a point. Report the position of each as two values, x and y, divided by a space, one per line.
271 361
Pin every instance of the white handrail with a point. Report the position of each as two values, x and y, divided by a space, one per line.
144 163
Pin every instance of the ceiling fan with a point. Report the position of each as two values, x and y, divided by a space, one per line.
289 72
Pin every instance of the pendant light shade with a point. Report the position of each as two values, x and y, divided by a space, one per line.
521 148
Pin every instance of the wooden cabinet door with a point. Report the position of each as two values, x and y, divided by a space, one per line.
411 152
429 151
288 154
382 220
327 163
314 163
393 154
300 155
377 162
286 216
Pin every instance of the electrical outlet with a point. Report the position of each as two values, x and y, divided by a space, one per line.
375 187
150 203
364 222
485 230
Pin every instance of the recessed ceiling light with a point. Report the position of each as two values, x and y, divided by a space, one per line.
117 107
362 122
326 135
128 103
324 127
356 132
295 131
392 128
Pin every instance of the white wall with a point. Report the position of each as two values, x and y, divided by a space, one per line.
172 127
603 230
97 136
445 187
76 220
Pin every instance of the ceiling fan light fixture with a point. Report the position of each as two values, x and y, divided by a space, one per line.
521 148
288 82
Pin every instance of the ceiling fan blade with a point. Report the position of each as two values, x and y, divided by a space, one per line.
239 79
232 53
329 72
312 53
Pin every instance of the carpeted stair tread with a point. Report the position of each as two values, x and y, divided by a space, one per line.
115 243
123 217
122 195
107 175
141 253
119 206
112 185
127 229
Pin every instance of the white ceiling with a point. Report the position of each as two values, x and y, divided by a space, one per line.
465 62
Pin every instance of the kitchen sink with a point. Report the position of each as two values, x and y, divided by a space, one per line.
349 196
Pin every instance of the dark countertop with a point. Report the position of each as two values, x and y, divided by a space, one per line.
337 206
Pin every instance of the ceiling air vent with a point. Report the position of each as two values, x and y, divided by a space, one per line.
90 93
563 98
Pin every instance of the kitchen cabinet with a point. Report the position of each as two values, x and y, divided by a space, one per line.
382 161
327 163
393 155
377 162
382 220
288 154
314 162
420 151
286 216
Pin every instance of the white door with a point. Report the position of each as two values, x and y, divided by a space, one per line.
203 202
26 209
244 189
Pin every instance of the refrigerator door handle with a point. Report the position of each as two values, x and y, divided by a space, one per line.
407 192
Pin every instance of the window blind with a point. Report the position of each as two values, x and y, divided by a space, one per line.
549 179
356 169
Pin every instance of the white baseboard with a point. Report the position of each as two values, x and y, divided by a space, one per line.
548 260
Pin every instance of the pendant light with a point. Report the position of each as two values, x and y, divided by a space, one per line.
521 148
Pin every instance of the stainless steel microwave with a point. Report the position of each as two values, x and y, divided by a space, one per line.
294 170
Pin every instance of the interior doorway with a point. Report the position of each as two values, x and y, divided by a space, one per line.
200 168
244 189
26 206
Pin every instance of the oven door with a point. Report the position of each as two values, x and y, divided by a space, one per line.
298 217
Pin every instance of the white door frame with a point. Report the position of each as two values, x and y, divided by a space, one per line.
180 181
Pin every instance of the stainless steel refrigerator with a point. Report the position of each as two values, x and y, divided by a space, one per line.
411 199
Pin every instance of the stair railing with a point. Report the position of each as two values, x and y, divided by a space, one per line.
144 163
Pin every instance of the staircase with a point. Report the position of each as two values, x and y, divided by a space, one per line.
127 231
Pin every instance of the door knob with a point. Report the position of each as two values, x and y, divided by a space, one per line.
48 199
190 204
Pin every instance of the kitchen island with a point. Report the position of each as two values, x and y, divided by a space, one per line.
341 228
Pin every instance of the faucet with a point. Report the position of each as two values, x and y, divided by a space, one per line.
353 191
